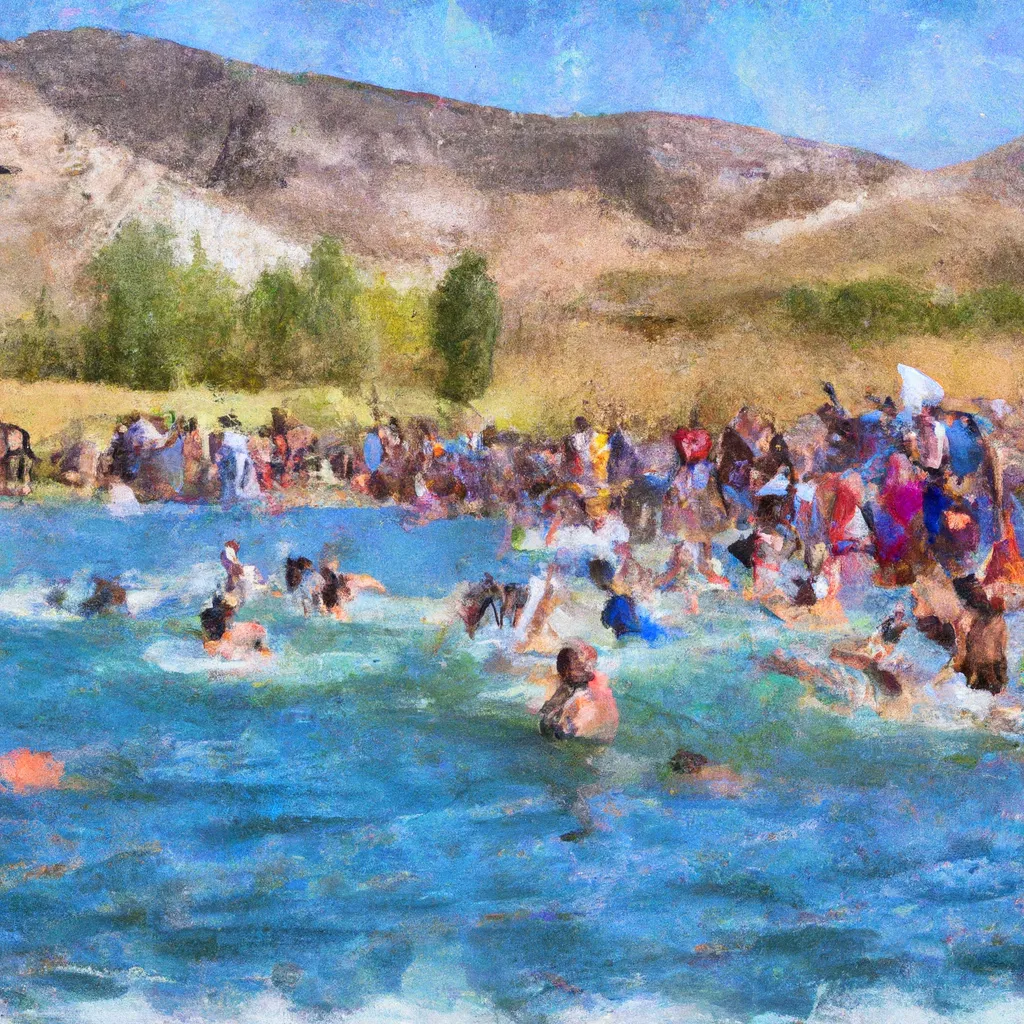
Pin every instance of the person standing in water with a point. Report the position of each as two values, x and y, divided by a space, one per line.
620 613
583 706
234 568
238 477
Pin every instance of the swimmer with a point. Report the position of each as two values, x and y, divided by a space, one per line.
540 636
506 601
296 572
620 613
871 656
338 589
106 596
583 706
237 642
961 617
982 653
829 679
214 619
690 766
240 643
514 599
477 600
801 592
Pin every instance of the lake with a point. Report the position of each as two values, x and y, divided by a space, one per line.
369 826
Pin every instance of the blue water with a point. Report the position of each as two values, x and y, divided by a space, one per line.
374 816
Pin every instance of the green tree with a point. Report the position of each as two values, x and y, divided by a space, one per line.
272 313
340 350
206 323
131 337
157 324
466 321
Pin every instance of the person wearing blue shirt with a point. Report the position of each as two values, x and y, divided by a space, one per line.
373 451
620 613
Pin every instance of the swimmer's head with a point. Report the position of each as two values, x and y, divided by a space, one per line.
602 573
577 663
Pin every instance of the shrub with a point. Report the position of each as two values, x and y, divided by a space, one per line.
885 308
37 346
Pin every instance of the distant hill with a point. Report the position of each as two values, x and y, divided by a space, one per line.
406 176
224 124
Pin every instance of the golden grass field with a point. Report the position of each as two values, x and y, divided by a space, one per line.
601 371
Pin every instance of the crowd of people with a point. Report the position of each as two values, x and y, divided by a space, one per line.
910 506
915 497
168 458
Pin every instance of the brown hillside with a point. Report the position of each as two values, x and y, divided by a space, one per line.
285 143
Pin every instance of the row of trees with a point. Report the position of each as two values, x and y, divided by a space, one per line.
156 323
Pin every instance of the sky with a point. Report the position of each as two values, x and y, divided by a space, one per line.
930 82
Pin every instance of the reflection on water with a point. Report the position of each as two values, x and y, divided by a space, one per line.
373 824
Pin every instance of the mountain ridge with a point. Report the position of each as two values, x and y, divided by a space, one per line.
225 124
105 126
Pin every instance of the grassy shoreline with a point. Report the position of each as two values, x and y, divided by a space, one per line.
651 387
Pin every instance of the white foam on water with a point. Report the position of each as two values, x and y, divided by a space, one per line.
25 598
187 657
192 583
269 1007
182 656
643 1011
123 502
401 612
347 663
887 1006
518 694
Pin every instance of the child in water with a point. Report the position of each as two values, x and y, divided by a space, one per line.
242 580
620 613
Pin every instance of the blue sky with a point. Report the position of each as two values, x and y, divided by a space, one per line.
928 81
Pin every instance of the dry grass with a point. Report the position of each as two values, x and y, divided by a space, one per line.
595 368
599 370
51 410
